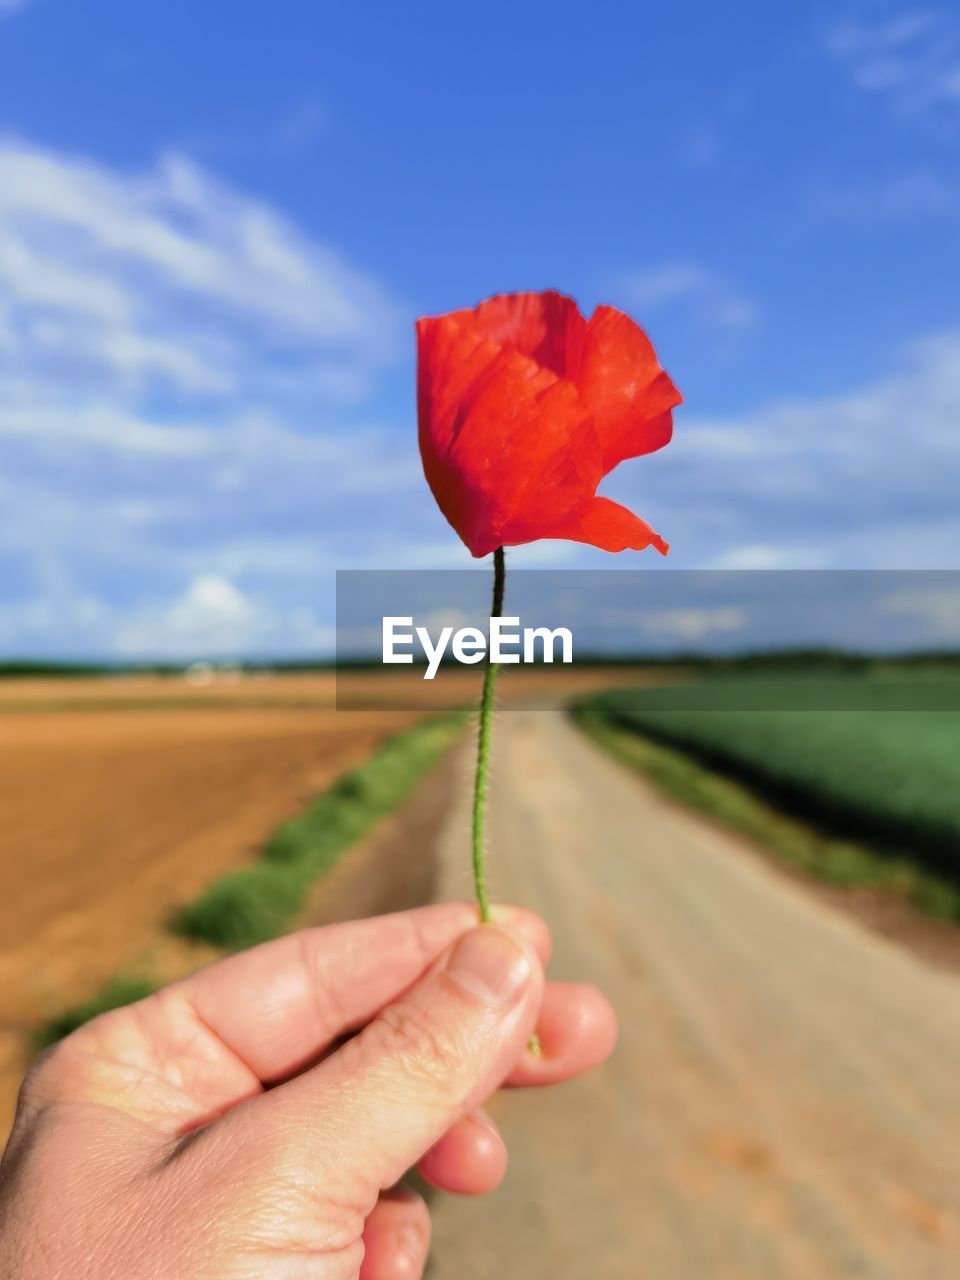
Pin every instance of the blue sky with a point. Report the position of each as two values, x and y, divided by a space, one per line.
217 223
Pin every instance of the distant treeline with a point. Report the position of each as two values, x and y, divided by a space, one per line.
21 669
751 660
29 668
777 659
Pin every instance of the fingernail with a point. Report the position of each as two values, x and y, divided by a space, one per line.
491 965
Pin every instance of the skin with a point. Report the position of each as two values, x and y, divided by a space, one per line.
253 1120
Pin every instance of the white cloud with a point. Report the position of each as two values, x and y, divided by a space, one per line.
687 622
714 302
692 623
213 617
910 57
211 612
757 555
210 617
99 423
184 377
936 607
170 280
863 480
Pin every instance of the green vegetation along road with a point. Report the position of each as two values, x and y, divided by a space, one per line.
877 760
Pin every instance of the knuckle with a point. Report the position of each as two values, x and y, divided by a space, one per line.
290 1212
289 1203
427 1050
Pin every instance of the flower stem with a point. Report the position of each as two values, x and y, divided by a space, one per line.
483 766
483 748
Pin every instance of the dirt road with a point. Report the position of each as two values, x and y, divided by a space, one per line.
785 1100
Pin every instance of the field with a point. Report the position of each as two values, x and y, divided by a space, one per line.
887 775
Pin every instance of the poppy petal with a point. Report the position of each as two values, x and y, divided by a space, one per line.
621 382
523 407
525 452
452 358
609 526
547 327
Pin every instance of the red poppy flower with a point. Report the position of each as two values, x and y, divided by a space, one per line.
524 406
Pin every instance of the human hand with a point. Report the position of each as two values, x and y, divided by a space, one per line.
222 1127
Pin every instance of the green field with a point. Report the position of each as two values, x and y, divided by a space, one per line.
886 775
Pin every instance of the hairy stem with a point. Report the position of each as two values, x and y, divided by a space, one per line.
483 747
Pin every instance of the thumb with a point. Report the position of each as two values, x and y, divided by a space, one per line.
365 1115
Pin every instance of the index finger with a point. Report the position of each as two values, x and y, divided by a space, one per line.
263 1015
280 1005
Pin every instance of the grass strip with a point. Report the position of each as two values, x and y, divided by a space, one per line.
257 903
816 853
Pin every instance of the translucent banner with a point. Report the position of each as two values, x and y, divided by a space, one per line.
803 640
